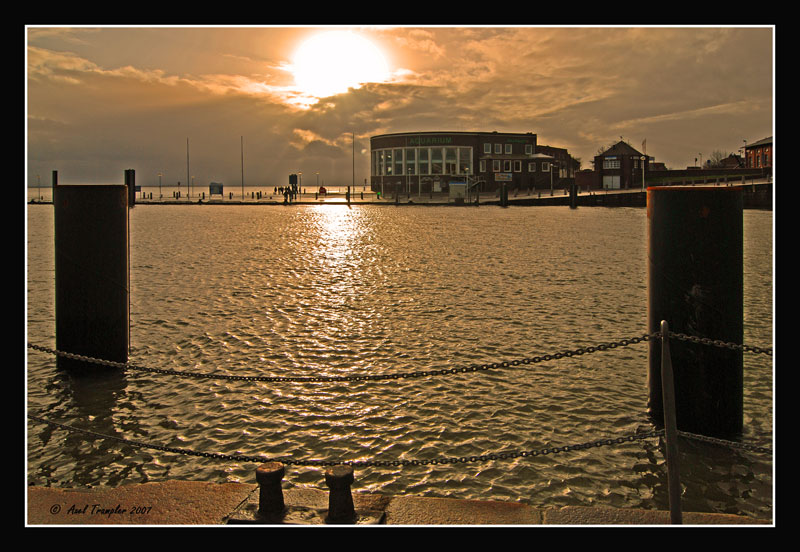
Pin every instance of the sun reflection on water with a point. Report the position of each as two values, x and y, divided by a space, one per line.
336 265
335 232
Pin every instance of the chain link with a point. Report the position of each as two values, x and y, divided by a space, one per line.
393 463
723 442
364 463
424 373
406 375
723 344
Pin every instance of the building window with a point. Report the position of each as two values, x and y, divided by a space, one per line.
611 163
387 162
450 161
487 148
517 166
528 149
436 161
398 162
496 165
498 148
411 161
506 166
424 166
508 148
545 166
531 167
483 165
464 160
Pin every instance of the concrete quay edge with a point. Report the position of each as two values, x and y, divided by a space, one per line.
197 503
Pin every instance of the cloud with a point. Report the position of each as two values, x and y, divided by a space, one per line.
732 108
90 100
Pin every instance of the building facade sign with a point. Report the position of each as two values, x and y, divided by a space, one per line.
429 140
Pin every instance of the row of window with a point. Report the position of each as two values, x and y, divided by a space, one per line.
420 160
507 165
445 160
505 148
615 162
759 158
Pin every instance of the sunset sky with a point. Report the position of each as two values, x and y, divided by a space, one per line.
104 99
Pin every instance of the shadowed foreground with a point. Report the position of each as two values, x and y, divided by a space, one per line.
201 503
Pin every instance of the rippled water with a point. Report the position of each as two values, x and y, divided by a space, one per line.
333 290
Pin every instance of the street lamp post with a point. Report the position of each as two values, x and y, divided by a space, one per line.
744 153
466 181
159 186
643 159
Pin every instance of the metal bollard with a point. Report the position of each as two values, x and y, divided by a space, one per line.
270 494
340 501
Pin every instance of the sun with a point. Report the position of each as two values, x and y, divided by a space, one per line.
332 62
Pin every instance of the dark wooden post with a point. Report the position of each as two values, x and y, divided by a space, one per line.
91 273
695 283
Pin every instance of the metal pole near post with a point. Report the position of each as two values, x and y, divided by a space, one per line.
670 429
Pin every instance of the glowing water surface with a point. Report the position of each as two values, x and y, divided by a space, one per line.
338 290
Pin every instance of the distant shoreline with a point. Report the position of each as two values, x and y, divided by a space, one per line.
756 196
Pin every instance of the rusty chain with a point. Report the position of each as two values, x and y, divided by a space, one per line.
719 343
361 463
424 373
405 375
724 442
389 463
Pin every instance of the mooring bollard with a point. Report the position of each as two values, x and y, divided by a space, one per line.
340 501
270 493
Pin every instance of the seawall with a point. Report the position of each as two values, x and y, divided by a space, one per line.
754 196
201 503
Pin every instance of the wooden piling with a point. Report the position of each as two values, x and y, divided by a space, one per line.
695 282
91 273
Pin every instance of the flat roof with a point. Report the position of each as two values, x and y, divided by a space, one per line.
465 133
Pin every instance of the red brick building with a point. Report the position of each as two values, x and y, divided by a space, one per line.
758 155
429 161
619 167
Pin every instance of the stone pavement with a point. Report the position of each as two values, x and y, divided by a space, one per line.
181 503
